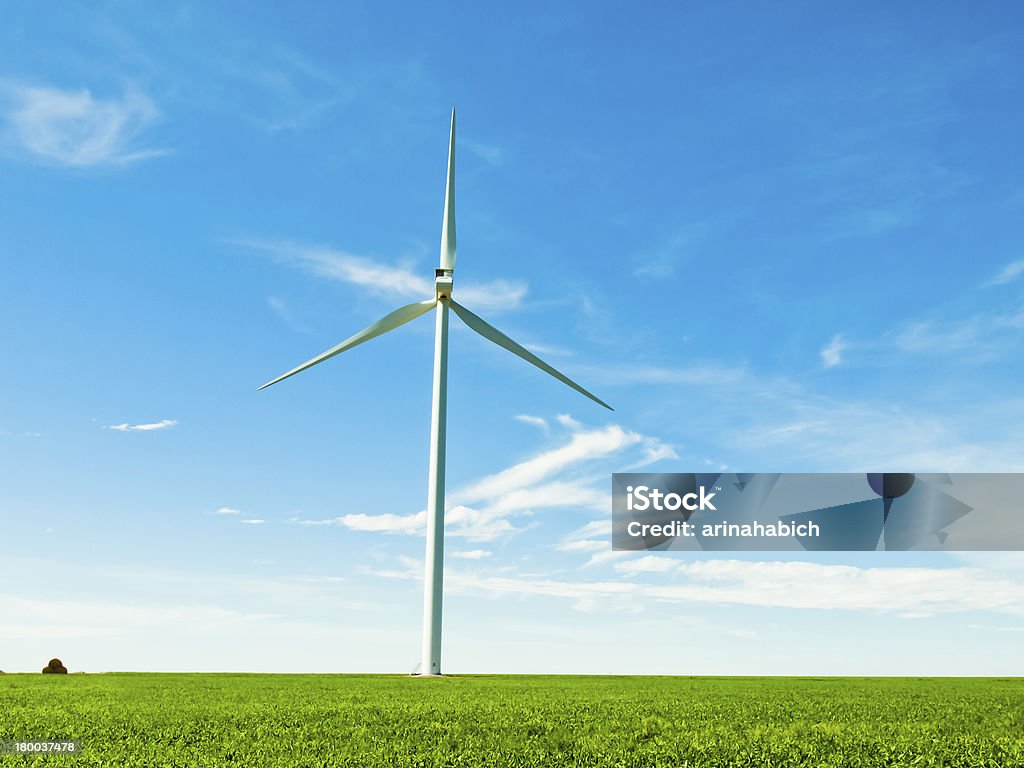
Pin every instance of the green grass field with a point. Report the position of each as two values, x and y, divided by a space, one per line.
314 720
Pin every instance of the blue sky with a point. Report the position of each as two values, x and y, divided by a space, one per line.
774 238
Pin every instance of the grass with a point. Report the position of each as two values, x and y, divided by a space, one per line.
369 720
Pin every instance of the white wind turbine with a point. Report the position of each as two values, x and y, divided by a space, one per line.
433 574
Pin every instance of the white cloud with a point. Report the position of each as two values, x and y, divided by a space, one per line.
568 421
167 612
546 350
495 295
853 436
582 541
648 564
583 447
72 128
660 260
1009 273
471 554
924 336
583 545
535 421
573 475
323 579
601 527
557 493
985 334
608 555
392 280
232 512
748 414
460 522
277 88
832 354
654 450
1007 563
902 591
280 309
357 270
814 585
491 155
90 618
707 374
162 424
385 523
476 525
792 429
981 333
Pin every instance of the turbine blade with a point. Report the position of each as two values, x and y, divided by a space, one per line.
387 323
488 331
448 225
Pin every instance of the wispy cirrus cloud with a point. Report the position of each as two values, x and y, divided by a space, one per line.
571 475
794 584
535 421
471 554
1009 273
280 308
910 592
660 260
460 522
91 618
832 353
698 374
382 523
236 515
746 415
865 188
567 421
392 280
653 450
73 128
980 331
490 154
584 545
276 87
151 427
582 446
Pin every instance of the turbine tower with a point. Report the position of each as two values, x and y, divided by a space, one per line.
434 570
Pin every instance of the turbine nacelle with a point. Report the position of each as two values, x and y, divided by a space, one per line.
442 284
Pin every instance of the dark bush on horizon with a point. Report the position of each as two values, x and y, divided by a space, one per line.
55 667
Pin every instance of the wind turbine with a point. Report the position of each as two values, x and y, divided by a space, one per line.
434 571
